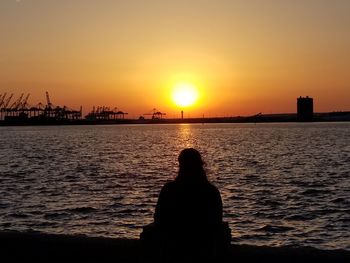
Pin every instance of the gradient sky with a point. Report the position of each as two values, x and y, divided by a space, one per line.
245 57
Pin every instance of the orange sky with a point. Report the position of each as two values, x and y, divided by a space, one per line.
244 57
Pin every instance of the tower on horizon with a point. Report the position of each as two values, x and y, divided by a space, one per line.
305 108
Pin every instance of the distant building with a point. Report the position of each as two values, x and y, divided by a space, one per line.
305 107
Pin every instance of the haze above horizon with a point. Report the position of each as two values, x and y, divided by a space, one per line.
242 57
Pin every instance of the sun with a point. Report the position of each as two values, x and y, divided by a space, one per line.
184 94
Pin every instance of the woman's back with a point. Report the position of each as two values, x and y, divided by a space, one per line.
188 223
188 208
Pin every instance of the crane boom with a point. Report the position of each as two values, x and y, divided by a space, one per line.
8 101
2 99
24 102
156 114
49 104
17 102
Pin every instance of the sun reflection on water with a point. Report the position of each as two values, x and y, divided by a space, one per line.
186 138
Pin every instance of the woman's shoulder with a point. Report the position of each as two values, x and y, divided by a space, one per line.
209 185
169 186
213 189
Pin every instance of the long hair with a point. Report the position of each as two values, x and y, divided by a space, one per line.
191 168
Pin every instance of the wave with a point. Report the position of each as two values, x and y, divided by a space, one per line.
299 217
82 210
314 192
275 228
55 215
19 215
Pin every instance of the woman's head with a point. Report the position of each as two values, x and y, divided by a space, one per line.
191 166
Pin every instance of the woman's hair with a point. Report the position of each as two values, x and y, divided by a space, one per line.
191 168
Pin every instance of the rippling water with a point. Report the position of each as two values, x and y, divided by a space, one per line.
281 184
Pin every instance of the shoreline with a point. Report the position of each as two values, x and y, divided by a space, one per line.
37 246
164 121
259 118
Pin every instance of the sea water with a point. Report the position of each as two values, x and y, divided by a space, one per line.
281 184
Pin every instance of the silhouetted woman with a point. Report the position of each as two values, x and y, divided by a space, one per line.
188 215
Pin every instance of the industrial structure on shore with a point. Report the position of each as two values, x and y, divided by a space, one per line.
156 114
20 111
105 113
305 108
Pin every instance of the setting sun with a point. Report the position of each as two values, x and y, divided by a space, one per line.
184 94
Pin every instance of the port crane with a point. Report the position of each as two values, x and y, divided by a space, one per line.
105 113
2 99
24 103
7 102
15 104
156 114
2 102
49 104
12 110
20 110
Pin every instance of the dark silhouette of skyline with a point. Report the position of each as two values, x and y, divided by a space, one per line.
305 108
